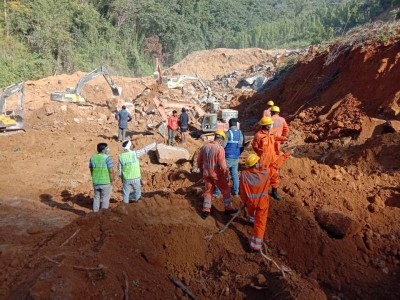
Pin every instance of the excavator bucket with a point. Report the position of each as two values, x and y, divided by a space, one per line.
116 91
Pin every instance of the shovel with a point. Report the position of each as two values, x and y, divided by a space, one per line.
222 230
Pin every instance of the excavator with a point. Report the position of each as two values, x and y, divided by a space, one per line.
177 82
74 95
210 122
12 120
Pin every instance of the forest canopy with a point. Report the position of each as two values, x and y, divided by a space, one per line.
44 37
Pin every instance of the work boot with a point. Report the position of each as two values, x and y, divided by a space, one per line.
254 251
205 214
231 211
275 194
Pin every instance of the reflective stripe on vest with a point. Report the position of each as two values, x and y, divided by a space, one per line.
231 140
210 152
232 149
255 180
209 165
100 171
130 165
278 125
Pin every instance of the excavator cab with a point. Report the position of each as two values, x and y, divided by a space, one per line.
74 95
212 122
11 120
209 123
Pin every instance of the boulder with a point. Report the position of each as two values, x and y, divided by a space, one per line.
169 154
337 223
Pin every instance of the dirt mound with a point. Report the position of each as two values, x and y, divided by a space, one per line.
335 234
210 63
96 91
141 246
329 94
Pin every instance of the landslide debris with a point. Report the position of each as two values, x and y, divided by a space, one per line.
335 232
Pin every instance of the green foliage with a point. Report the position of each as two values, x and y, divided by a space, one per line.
44 37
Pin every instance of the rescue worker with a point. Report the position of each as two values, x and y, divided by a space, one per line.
254 183
172 127
280 126
183 124
101 168
267 111
123 116
129 170
234 146
264 146
212 164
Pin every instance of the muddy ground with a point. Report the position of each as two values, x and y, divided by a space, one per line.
335 235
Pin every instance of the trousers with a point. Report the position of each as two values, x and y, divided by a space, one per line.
171 136
102 194
126 189
210 184
259 216
233 165
121 134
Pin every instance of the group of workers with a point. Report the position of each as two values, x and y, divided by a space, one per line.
102 170
253 182
218 161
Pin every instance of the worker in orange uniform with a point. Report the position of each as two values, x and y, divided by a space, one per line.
267 111
280 126
212 164
264 146
254 183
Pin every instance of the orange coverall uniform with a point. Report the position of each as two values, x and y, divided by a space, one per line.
267 112
211 162
280 128
254 193
264 145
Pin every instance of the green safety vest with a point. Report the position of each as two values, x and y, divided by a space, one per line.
130 165
100 171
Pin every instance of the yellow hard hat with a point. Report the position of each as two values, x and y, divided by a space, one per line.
252 159
266 121
270 102
275 109
221 133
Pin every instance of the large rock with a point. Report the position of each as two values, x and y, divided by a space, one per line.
169 154
337 223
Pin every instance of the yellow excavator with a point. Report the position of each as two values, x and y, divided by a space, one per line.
74 95
11 120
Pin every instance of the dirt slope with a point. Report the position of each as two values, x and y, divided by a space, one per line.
210 63
335 232
331 94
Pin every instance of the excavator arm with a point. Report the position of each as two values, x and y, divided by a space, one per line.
12 120
9 91
116 90
75 94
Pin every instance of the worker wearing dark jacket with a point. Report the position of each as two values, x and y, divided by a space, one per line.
123 116
183 124
234 146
